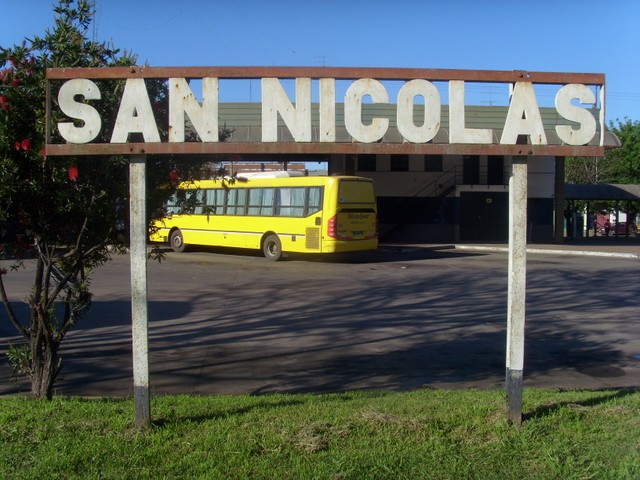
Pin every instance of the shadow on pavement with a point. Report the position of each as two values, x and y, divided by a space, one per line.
443 325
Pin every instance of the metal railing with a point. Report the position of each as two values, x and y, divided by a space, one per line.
449 180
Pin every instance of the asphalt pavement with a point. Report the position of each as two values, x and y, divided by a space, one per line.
405 317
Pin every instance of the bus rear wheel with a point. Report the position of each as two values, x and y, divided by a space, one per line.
177 241
272 248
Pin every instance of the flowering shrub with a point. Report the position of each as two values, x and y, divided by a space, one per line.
66 223
68 211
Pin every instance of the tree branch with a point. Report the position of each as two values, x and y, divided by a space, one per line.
9 309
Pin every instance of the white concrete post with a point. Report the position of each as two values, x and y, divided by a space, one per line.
138 240
517 284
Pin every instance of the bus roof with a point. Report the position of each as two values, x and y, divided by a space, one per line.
271 174
262 181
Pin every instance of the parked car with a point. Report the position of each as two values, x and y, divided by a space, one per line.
622 228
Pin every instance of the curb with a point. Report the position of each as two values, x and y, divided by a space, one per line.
550 251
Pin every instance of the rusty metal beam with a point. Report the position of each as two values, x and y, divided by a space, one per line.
239 148
346 73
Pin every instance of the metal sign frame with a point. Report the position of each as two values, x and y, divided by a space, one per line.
337 73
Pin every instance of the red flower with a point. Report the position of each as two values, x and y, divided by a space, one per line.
4 102
24 144
73 173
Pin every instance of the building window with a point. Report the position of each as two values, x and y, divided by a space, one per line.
366 163
399 163
433 163
471 169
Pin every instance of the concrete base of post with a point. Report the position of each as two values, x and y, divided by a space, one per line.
142 406
513 380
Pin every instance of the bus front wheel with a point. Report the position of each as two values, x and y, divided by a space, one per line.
177 241
272 248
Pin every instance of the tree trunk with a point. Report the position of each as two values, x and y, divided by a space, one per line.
45 362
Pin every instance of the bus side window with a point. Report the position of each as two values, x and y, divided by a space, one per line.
187 202
215 201
242 202
290 202
255 198
261 201
198 207
229 205
172 204
314 202
236 200
268 197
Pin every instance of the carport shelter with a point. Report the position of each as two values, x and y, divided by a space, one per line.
621 194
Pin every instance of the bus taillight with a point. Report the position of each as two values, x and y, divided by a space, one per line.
332 227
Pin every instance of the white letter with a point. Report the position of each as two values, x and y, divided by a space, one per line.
297 119
458 133
523 117
135 114
587 129
327 110
78 110
353 110
432 110
183 102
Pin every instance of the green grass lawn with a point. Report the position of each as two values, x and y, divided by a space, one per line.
422 434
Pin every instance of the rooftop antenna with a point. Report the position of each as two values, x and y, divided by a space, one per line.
94 26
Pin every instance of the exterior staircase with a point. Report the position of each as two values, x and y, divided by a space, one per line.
442 187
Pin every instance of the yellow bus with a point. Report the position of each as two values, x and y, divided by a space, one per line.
274 212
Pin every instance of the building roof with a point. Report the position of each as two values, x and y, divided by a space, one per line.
574 191
245 121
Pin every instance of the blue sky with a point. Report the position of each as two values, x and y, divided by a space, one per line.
538 35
